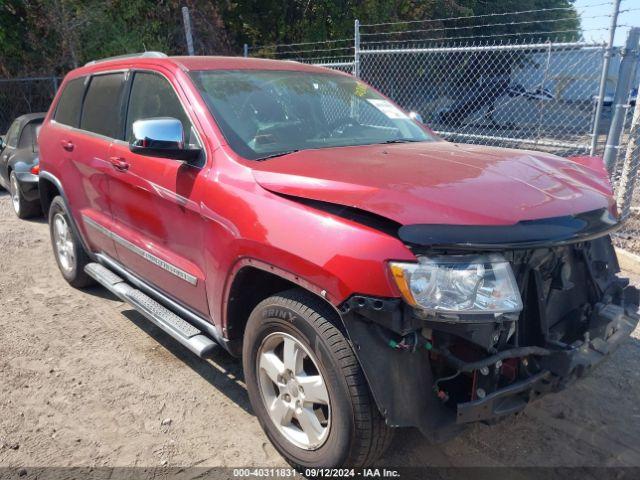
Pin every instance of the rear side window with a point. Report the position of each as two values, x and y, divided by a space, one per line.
70 103
12 134
102 111
29 136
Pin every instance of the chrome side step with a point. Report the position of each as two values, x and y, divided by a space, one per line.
183 331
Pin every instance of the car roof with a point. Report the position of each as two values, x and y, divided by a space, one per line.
30 117
195 63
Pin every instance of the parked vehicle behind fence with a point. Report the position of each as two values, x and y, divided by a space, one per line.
19 165
369 274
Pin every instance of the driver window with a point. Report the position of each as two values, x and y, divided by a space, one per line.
152 96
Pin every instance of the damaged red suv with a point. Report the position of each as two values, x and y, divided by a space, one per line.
369 274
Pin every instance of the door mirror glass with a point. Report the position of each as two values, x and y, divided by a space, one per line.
416 116
161 137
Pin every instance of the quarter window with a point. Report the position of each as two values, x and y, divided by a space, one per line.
70 103
102 112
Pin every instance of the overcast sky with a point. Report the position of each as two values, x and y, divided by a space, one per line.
593 8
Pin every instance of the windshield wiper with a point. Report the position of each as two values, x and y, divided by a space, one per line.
278 154
401 140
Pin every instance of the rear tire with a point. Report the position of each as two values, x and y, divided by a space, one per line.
349 432
22 207
67 248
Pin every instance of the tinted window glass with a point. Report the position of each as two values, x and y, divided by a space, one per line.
29 136
101 112
267 113
68 109
152 96
12 134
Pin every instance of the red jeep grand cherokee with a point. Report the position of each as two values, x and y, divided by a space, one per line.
370 274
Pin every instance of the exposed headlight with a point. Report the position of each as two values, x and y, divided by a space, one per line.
459 284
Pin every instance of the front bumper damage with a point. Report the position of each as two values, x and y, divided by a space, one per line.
439 374
559 367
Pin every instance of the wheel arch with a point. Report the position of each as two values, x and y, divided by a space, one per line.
50 188
252 281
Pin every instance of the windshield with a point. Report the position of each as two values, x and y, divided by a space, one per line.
265 113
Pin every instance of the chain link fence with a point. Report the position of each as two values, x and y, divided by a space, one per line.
540 96
25 95
537 96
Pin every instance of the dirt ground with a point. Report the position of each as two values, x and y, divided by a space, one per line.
629 236
86 381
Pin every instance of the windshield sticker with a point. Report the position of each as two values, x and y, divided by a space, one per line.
361 89
386 107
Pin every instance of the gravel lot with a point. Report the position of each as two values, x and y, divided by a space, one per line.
86 381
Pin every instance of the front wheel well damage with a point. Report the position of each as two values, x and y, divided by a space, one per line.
251 285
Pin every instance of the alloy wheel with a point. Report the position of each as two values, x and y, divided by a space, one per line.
63 242
14 191
294 391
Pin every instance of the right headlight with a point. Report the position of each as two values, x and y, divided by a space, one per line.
459 284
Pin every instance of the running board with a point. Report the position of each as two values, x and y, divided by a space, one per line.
183 331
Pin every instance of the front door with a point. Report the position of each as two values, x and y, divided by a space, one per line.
155 201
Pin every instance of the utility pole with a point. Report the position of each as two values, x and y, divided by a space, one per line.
356 49
621 99
605 72
187 30
629 175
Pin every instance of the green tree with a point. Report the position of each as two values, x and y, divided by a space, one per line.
53 36
263 22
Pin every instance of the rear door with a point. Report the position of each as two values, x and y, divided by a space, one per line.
100 122
156 201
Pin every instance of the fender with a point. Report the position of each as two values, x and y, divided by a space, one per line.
275 270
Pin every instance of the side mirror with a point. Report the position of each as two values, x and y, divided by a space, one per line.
2 142
161 137
416 116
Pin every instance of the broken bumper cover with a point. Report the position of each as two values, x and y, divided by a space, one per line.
560 368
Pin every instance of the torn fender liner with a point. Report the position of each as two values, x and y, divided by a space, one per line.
525 234
401 382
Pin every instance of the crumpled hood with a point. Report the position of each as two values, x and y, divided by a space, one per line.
439 182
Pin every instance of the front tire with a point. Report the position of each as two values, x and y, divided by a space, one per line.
22 207
67 249
306 385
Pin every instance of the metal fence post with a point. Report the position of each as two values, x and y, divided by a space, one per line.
54 81
356 49
621 98
245 50
608 52
187 30
629 175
